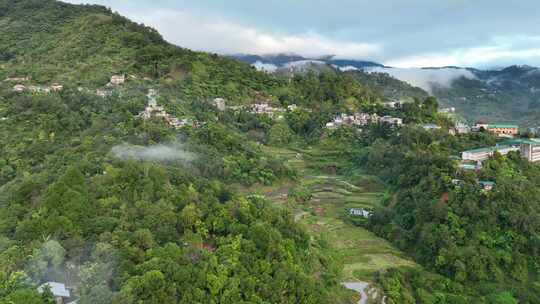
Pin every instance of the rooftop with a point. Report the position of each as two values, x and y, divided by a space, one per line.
57 289
489 149
503 126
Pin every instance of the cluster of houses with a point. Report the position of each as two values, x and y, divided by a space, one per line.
19 87
272 112
116 80
361 120
484 185
153 110
263 108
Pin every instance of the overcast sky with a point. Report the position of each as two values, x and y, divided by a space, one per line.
401 33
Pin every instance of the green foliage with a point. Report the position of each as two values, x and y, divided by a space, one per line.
462 233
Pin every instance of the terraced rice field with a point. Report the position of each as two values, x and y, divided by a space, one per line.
326 215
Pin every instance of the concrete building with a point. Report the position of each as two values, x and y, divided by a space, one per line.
461 128
117 79
531 152
482 154
503 129
530 149
153 110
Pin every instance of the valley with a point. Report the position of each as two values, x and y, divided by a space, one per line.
326 214
135 170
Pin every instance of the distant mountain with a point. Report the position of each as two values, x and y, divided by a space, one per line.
509 94
286 61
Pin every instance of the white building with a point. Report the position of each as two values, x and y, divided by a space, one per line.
482 154
219 103
117 80
462 128
530 149
360 212
393 121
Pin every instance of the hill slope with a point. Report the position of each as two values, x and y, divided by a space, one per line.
54 41
127 210
510 94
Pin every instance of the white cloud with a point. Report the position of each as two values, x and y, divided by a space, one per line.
501 50
426 78
212 33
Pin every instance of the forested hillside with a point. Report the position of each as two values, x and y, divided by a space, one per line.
508 95
483 244
159 225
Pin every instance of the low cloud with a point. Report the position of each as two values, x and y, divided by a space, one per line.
158 153
426 78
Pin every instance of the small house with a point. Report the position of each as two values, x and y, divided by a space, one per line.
219 103
59 291
118 79
360 212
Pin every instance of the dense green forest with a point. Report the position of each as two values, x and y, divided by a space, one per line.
133 211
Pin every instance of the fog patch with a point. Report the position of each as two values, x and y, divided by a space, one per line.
173 152
346 68
426 78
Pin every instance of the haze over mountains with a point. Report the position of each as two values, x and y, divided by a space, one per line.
506 94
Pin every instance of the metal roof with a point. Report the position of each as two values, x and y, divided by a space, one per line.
502 126
57 289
